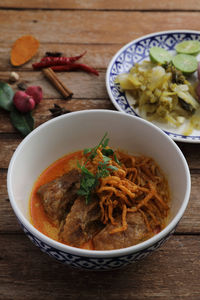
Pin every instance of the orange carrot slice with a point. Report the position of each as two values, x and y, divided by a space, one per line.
23 50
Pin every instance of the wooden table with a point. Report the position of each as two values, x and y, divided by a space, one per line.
101 27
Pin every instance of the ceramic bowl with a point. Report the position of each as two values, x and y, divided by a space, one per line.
79 130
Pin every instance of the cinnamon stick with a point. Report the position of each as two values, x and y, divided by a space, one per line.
52 77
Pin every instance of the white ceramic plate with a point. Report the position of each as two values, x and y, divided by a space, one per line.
137 51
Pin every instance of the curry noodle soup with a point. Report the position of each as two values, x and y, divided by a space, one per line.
100 199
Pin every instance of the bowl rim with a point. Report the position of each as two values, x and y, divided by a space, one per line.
97 253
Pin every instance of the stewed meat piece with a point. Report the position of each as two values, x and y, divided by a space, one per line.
82 223
134 234
58 195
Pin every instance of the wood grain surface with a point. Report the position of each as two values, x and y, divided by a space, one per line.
104 4
94 27
101 27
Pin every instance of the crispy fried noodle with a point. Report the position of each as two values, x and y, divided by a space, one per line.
137 185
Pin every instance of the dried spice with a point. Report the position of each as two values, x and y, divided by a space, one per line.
23 50
22 85
57 110
53 54
73 66
62 63
51 76
49 61
13 77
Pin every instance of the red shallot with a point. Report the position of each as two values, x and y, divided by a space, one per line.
23 102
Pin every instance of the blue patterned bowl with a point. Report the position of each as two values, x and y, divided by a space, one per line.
79 130
135 52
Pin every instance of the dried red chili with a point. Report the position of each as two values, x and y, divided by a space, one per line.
74 66
49 61
63 64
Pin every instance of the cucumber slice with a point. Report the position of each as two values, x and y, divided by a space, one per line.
159 55
188 47
185 63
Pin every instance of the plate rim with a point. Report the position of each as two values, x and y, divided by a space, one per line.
178 137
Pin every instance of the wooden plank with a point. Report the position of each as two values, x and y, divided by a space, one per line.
8 220
172 272
97 56
190 222
104 4
91 86
8 146
75 26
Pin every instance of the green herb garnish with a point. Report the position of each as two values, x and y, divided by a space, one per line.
90 181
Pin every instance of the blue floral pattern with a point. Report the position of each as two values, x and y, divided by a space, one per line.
84 262
136 52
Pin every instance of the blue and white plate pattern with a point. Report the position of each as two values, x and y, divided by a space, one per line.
137 51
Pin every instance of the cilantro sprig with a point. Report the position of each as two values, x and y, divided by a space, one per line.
90 181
